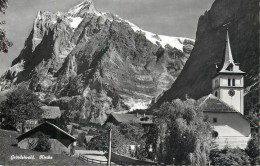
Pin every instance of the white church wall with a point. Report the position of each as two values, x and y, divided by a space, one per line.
229 124
234 101
238 80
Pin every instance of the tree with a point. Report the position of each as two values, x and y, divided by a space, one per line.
100 142
82 139
133 132
4 42
3 5
122 135
20 105
253 149
183 135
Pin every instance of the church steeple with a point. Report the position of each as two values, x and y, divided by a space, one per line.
228 54
228 83
229 65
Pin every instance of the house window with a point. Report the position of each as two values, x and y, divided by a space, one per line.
229 82
234 82
215 120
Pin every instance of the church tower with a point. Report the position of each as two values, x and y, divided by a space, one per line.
228 83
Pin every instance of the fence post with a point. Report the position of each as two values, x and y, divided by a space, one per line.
109 148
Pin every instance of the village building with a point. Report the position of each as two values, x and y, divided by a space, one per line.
224 108
60 140
50 113
116 119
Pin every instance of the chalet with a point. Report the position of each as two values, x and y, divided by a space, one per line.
60 140
224 108
116 119
50 113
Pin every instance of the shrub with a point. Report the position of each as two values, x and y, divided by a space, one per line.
229 156
253 149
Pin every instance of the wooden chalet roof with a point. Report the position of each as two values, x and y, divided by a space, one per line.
51 130
50 112
131 118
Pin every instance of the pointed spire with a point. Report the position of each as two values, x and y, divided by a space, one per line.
228 55
229 65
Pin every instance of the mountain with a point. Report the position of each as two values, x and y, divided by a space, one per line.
242 17
93 63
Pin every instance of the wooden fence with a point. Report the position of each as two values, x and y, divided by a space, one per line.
117 159
92 161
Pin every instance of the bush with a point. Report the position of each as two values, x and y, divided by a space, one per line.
229 156
43 144
253 149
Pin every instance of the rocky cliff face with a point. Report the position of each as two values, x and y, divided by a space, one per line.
96 63
195 79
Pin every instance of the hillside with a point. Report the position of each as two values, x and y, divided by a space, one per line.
195 79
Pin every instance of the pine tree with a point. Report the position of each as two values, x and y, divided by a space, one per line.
4 42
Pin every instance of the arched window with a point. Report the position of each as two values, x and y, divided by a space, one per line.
234 82
214 134
229 82
216 93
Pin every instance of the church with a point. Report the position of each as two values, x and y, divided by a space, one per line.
224 108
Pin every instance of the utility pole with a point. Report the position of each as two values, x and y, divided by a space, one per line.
109 147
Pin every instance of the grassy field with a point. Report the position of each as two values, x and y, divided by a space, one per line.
8 138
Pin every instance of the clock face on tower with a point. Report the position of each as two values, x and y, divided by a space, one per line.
231 92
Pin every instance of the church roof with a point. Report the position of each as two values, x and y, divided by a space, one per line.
212 104
229 67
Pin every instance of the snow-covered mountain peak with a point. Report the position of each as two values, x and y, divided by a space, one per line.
80 10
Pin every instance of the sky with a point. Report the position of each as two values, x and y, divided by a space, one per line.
165 17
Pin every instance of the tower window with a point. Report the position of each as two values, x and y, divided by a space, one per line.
215 120
229 82
234 82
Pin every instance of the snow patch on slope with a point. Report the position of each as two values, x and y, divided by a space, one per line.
163 40
75 21
136 104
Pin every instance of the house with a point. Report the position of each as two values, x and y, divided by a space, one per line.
116 119
60 140
224 108
50 113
